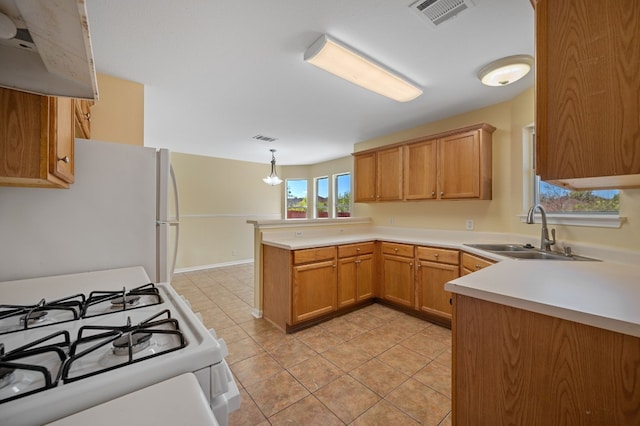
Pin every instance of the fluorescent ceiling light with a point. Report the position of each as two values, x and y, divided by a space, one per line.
506 70
345 62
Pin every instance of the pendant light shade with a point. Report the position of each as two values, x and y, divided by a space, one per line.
273 178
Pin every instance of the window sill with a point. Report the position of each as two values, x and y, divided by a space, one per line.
592 220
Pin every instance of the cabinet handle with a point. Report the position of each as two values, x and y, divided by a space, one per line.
419 265
410 263
357 248
436 255
358 261
433 193
87 117
335 266
442 193
64 159
395 249
477 266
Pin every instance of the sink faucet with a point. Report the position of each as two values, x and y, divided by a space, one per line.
545 242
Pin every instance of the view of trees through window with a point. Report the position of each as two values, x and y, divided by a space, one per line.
559 200
296 198
343 195
322 197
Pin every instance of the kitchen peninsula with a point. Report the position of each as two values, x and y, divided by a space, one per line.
532 339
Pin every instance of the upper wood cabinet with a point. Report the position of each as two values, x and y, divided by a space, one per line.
82 110
378 175
587 85
420 170
36 140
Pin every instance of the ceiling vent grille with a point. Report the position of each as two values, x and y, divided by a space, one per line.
438 11
264 138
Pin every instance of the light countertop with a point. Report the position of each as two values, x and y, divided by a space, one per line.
602 294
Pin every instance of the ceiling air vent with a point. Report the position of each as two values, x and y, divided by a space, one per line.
438 11
264 138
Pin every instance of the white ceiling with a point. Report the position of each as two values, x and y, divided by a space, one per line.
218 72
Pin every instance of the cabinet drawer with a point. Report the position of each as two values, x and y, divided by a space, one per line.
474 263
314 255
350 250
397 249
438 255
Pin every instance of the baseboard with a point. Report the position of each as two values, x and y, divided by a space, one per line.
215 265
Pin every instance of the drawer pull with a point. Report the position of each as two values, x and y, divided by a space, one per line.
395 249
436 255
477 266
64 159
357 248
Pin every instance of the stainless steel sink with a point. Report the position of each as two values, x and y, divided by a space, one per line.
519 251
500 247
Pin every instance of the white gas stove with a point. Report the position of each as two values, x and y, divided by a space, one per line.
72 342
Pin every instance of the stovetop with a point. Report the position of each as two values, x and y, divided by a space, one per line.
87 350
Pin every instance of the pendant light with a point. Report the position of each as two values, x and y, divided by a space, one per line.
273 178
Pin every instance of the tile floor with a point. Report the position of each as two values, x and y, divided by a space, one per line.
375 366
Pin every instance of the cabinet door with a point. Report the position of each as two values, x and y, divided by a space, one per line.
389 174
459 166
431 278
314 290
364 284
587 85
82 109
61 138
420 165
364 184
347 281
397 275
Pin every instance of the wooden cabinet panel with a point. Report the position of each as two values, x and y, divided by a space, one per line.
348 250
397 249
389 174
82 112
420 170
587 85
355 279
313 254
431 278
516 367
459 166
433 254
471 263
314 290
36 140
378 175
364 184
398 280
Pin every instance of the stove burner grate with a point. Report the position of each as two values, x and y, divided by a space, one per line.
121 341
18 360
41 314
115 301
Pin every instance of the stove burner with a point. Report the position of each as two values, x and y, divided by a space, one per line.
127 300
6 376
137 342
33 317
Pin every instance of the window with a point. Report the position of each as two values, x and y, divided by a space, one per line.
342 195
322 197
296 198
564 206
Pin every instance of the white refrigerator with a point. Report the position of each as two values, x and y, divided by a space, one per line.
121 211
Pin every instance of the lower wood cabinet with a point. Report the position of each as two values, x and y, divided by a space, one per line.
472 263
434 268
314 290
397 273
355 273
517 367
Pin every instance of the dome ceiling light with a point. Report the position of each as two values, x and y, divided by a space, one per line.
506 70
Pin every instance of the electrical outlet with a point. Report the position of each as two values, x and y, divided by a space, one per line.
469 224
391 220
299 233
234 252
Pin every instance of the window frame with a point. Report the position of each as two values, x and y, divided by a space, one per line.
334 198
531 187
286 199
315 197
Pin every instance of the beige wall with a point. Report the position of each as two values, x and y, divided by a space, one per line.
216 198
501 213
119 114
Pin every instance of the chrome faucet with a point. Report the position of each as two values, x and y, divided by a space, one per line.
545 242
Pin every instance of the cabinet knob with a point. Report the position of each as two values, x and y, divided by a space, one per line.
442 193
335 266
357 248
436 255
433 193
477 266
64 159
410 263
87 117
419 265
395 249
